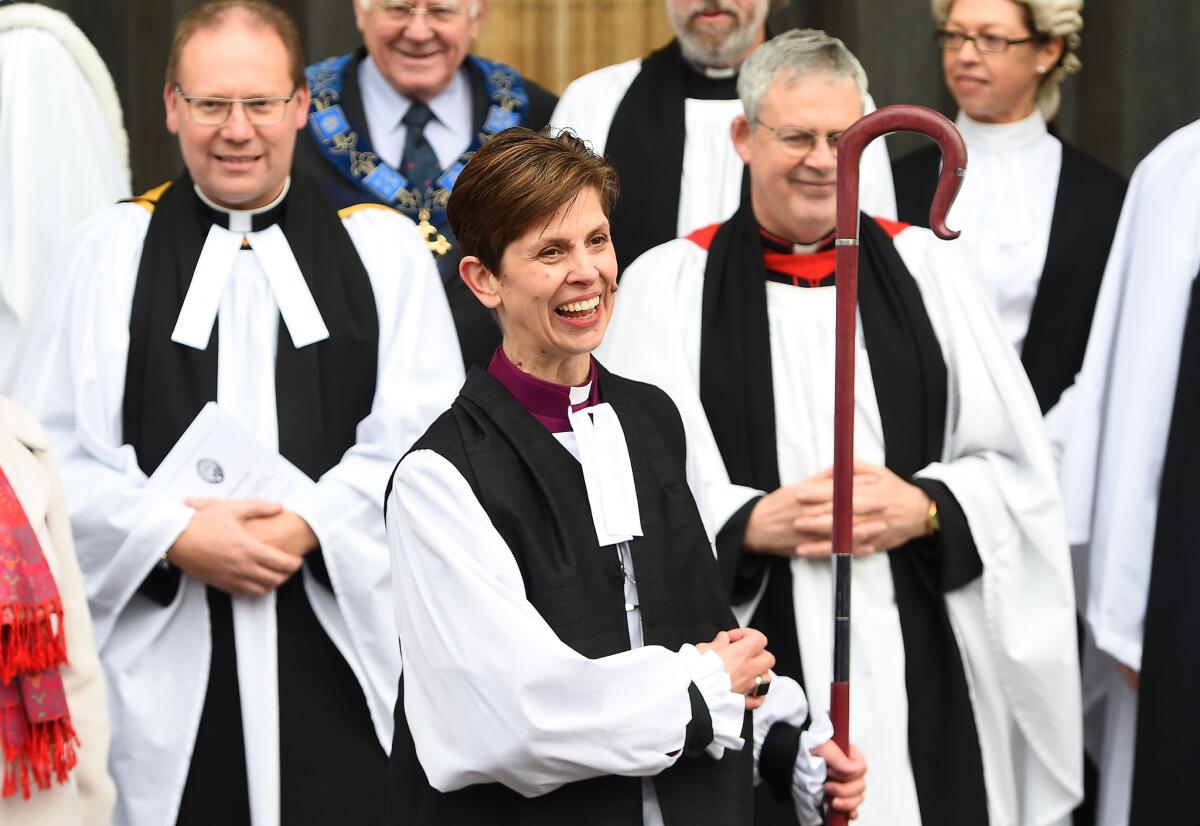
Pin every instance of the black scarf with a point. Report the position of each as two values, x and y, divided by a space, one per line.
911 387
645 144
322 391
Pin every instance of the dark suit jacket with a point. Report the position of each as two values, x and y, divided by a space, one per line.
478 334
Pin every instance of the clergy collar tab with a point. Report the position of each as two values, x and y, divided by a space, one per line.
245 220
719 72
546 401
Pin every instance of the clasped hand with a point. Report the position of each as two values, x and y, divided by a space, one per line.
797 519
245 547
745 656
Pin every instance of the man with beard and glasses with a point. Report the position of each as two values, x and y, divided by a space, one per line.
395 121
964 674
664 123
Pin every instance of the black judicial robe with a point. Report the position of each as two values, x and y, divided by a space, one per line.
321 706
1168 717
534 493
910 386
1086 210
478 334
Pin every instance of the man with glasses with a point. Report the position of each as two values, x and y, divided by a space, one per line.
396 120
664 123
248 644
965 682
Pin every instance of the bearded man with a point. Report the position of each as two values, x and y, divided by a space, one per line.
664 122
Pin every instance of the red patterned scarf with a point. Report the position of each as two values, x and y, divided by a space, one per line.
35 725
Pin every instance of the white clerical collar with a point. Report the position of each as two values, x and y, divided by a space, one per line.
1002 137
242 220
714 72
193 327
809 249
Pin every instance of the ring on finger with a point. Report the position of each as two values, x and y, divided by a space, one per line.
761 686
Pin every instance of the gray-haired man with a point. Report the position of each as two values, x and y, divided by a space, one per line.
664 123
966 695
396 120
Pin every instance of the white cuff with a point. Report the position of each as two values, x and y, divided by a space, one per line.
808 775
726 708
785 703
318 506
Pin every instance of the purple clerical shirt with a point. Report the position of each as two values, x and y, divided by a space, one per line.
545 400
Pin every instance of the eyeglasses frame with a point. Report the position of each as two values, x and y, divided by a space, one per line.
414 10
940 35
187 99
779 131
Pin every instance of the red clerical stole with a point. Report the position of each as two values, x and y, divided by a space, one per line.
35 725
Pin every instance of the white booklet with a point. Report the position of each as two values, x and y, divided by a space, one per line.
217 458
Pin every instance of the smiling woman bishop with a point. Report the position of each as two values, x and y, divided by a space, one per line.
570 654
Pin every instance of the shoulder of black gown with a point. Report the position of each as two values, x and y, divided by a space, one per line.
915 178
345 201
646 145
653 402
541 105
1086 210
444 437
1093 185
149 199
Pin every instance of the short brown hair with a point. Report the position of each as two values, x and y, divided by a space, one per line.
261 14
520 177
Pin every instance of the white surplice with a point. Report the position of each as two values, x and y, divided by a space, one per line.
711 186
525 710
1014 625
63 153
1005 209
156 658
1113 426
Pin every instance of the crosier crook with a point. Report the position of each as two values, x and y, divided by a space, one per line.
853 141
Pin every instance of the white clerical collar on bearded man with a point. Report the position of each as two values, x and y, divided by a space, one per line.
194 326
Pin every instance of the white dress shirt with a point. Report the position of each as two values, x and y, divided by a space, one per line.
449 132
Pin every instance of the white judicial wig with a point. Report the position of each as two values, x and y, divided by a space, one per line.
711 186
157 659
1113 426
63 152
1011 623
